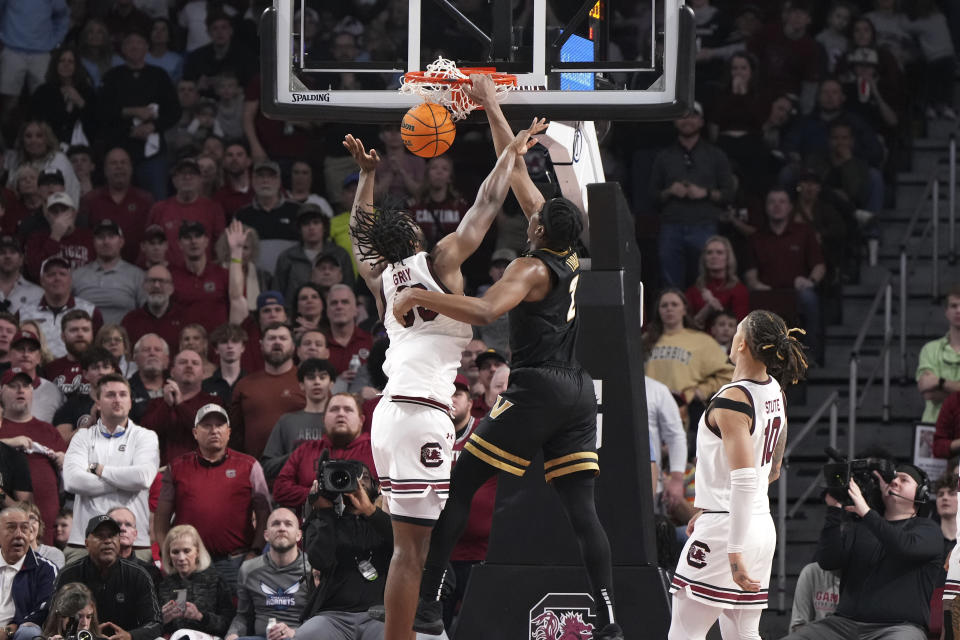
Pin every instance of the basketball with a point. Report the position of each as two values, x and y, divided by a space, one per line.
427 130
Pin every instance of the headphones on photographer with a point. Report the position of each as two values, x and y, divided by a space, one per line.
923 496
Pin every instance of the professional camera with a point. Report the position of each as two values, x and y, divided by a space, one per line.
339 476
837 475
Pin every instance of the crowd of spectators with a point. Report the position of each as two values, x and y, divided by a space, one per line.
183 338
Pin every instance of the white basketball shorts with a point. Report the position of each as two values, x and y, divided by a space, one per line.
704 568
951 589
413 449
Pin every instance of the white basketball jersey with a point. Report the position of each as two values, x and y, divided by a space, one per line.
713 472
424 356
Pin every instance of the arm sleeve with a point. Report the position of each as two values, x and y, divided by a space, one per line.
139 475
946 431
914 541
76 475
834 544
286 490
322 540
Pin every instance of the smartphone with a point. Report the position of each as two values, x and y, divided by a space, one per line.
181 599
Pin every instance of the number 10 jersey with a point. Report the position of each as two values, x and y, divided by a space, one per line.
713 471
425 350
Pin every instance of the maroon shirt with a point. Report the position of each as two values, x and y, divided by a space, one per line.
203 296
171 212
232 200
437 219
130 214
948 426
786 63
292 485
360 344
174 425
217 498
140 322
76 247
258 401
252 358
43 470
735 298
779 259
67 374
472 546
15 212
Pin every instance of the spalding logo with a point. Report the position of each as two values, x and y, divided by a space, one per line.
311 97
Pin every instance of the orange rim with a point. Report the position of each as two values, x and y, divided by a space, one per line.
501 79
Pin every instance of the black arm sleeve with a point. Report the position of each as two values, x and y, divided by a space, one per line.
321 540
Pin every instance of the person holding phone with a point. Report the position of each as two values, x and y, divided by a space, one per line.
73 604
194 595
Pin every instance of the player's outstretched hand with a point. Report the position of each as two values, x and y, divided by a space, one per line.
739 572
480 89
368 160
524 141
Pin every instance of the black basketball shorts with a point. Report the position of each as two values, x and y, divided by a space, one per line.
549 408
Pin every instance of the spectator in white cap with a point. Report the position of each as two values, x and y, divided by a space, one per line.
270 214
234 489
48 311
63 238
111 283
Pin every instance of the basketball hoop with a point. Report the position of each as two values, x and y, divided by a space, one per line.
443 82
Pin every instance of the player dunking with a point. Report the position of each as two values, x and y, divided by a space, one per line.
724 569
550 402
412 435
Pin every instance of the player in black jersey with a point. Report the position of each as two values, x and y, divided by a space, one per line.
550 402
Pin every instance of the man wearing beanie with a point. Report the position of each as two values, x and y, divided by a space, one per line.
890 562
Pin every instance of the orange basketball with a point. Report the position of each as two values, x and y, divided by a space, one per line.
427 130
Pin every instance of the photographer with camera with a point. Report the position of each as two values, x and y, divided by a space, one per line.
73 614
343 438
890 562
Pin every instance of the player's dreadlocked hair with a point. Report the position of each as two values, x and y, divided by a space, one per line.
562 222
384 235
773 344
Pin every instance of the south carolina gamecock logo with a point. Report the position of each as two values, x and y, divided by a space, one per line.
697 554
562 616
431 455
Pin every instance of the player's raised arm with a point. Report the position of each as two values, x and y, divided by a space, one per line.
455 248
482 90
524 277
368 161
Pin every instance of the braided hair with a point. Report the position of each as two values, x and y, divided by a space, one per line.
562 222
385 235
773 344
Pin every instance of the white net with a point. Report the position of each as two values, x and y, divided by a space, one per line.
448 93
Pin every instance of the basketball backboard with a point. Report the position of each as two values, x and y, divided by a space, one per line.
573 59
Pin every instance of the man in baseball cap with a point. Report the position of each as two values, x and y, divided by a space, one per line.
102 525
61 237
11 278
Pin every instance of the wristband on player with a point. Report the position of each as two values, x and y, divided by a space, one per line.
743 486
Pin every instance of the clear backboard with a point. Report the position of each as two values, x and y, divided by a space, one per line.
573 59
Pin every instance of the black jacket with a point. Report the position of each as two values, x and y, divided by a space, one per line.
336 546
125 596
889 568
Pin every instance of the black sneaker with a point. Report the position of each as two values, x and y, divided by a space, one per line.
429 618
610 632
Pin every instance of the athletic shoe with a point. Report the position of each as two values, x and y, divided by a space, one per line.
610 632
429 618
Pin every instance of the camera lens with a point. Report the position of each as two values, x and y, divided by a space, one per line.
339 479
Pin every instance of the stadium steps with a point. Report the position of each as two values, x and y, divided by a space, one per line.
924 321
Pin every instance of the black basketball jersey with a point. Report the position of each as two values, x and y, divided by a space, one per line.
546 331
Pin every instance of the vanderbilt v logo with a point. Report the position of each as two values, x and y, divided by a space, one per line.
499 407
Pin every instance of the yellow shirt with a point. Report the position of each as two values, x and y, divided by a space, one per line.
688 360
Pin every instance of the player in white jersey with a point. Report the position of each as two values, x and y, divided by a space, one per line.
412 434
724 569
